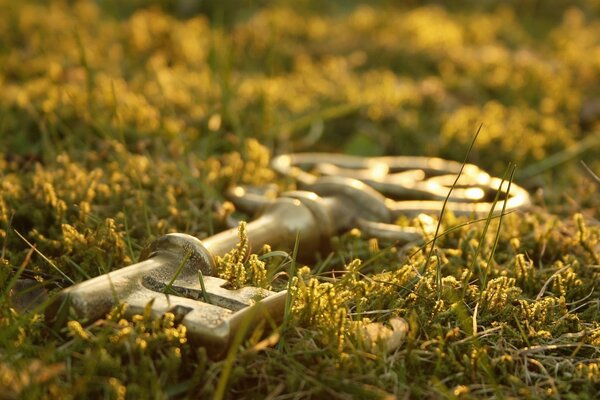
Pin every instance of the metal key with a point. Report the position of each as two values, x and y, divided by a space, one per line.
167 274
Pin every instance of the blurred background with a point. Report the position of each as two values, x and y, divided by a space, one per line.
121 121
108 105
368 78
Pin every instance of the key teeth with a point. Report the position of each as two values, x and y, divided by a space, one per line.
181 246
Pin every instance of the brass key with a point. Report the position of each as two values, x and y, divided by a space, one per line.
168 271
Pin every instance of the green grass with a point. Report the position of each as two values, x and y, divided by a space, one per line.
120 123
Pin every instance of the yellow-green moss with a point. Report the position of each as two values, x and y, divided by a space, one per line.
122 122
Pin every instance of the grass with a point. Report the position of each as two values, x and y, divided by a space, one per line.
120 123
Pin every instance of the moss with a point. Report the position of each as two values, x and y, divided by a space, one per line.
120 123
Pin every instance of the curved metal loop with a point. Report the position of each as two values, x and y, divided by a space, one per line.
251 199
367 202
412 185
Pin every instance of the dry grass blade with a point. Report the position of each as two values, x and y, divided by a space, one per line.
592 173
45 258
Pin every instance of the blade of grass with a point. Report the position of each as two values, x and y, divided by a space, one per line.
454 228
202 287
589 170
242 329
444 204
13 280
491 257
127 235
288 303
89 78
328 113
324 264
182 263
438 274
562 157
488 220
78 268
45 258
138 181
277 253
5 241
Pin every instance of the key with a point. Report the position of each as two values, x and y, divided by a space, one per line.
176 272
167 274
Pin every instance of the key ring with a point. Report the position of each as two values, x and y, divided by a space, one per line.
412 185
395 186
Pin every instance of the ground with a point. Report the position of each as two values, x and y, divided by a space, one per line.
120 123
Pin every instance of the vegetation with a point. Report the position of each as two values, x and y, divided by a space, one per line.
120 123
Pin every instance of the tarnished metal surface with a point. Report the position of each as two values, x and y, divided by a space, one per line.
169 279
168 272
